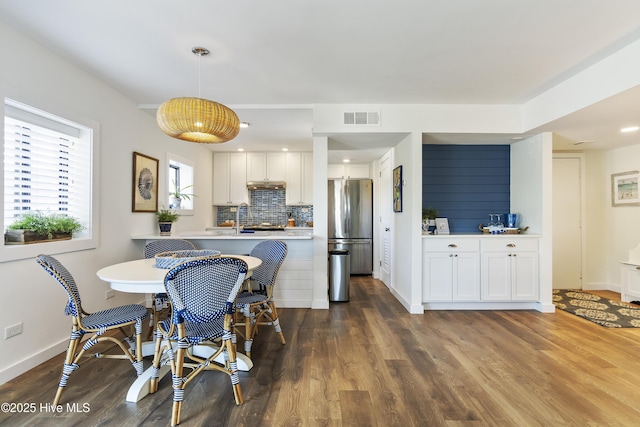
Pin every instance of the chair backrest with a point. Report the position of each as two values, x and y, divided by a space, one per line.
62 275
157 246
204 289
272 253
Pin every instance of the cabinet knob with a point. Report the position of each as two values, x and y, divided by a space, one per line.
511 245
453 245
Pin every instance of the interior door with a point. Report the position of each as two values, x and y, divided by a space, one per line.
385 206
567 223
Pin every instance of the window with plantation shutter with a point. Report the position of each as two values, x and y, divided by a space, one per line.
48 165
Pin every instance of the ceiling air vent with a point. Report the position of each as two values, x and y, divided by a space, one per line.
362 118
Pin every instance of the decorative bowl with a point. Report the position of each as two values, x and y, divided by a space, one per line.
170 259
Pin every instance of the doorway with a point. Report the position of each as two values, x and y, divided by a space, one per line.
568 219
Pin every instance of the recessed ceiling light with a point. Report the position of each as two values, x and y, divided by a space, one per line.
630 129
244 124
240 149
285 149
346 160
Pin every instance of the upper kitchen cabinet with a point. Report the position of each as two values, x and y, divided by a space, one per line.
348 171
230 179
299 178
265 166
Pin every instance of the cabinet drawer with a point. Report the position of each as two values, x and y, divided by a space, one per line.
448 245
506 244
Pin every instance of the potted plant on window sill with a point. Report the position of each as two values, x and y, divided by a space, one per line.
178 194
40 227
166 218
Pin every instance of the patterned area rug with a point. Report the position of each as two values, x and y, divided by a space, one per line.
603 311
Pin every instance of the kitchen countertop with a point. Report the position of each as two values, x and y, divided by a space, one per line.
476 235
227 233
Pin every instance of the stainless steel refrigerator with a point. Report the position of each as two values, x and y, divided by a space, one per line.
351 221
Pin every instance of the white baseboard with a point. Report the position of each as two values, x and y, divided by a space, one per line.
31 362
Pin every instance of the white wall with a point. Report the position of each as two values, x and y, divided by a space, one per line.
38 78
611 231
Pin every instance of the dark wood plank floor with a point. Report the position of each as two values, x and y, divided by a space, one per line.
370 363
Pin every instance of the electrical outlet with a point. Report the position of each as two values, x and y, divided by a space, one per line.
13 330
109 294
304 210
232 209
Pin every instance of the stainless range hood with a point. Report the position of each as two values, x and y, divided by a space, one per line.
266 185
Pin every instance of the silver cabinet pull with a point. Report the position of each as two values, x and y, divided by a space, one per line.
453 245
511 245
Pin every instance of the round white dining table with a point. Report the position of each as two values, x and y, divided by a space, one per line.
141 276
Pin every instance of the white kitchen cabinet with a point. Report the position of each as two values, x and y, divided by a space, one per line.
630 282
451 270
509 269
299 178
230 179
265 166
348 171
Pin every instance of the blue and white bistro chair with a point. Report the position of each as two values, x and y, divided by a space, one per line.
202 293
98 324
160 301
256 302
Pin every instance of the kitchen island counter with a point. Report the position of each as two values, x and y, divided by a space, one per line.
294 286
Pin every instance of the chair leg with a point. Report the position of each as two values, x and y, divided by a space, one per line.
248 333
233 369
69 365
276 322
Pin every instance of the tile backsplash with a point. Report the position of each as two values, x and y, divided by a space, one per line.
266 206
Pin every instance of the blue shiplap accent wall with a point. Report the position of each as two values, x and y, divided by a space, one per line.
466 183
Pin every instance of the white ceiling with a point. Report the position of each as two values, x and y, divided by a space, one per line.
271 61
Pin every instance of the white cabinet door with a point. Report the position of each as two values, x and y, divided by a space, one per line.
450 276
307 179
293 178
466 277
238 192
299 178
510 276
265 167
229 179
496 276
437 280
348 171
358 171
524 276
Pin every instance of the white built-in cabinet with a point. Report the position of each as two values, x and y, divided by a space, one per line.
299 178
348 171
451 270
265 166
230 179
510 269
480 269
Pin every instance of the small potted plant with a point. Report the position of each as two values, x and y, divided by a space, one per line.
178 194
429 216
38 226
166 218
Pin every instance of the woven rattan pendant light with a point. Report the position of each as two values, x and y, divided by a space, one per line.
197 119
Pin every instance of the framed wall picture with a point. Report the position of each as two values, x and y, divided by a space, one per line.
442 226
145 183
397 189
624 189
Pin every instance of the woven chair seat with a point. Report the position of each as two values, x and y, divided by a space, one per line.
197 333
250 298
114 316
